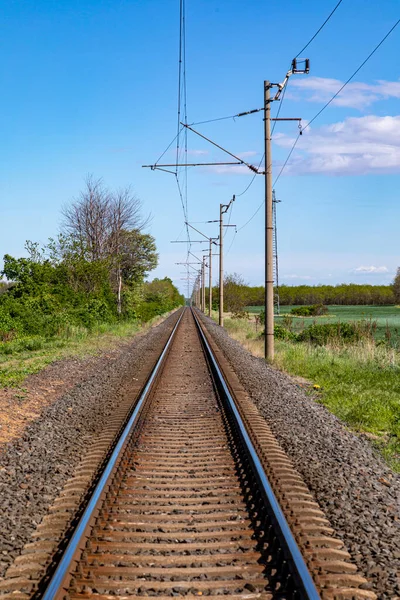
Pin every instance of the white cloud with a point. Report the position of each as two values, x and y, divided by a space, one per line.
355 94
247 154
198 152
294 276
370 270
228 170
355 146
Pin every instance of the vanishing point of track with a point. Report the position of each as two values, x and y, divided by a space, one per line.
185 505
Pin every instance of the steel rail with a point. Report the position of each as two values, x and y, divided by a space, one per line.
64 566
301 573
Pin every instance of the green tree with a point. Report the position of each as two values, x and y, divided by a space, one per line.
396 286
235 293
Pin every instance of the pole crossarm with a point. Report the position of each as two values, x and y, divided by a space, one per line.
209 239
269 347
211 164
242 162
194 256
185 242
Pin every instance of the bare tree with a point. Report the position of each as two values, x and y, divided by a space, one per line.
98 220
86 219
124 216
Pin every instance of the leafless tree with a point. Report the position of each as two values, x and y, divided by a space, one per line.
86 219
125 214
98 220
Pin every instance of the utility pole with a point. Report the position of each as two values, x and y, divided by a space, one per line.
212 241
223 208
276 261
269 349
221 266
203 284
210 279
269 274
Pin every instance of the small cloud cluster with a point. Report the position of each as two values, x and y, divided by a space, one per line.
300 277
371 270
355 146
355 94
198 152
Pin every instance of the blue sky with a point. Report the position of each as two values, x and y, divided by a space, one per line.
91 87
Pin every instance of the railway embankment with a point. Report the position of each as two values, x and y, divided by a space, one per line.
35 465
358 492
157 503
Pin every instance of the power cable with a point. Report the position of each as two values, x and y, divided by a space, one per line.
214 120
231 244
169 145
353 75
262 158
335 96
320 29
319 112
287 158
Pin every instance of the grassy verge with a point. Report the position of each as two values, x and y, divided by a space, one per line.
358 383
26 356
386 319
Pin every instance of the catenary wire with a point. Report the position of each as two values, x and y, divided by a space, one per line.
320 29
318 114
335 95
353 75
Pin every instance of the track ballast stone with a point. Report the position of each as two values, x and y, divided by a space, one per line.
357 491
34 468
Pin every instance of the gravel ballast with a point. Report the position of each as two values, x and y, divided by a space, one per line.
358 492
35 467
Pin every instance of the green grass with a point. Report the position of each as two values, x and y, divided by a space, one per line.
387 318
359 383
22 357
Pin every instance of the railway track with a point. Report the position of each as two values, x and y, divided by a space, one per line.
195 498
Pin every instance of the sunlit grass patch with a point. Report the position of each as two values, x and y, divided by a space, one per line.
359 383
26 356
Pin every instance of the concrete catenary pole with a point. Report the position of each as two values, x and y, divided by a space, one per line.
223 208
203 286
221 265
269 259
210 279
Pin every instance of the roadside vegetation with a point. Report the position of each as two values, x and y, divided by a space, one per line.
347 357
84 287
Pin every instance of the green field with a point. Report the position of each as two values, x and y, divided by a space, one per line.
359 382
387 318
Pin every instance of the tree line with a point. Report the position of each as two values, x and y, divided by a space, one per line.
237 294
94 271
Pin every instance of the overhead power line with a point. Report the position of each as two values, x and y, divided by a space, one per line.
354 74
319 113
335 96
320 29
283 96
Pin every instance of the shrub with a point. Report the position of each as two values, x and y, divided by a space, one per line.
313 310
321 334
281 333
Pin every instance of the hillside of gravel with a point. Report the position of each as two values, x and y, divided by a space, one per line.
356 489
34 467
